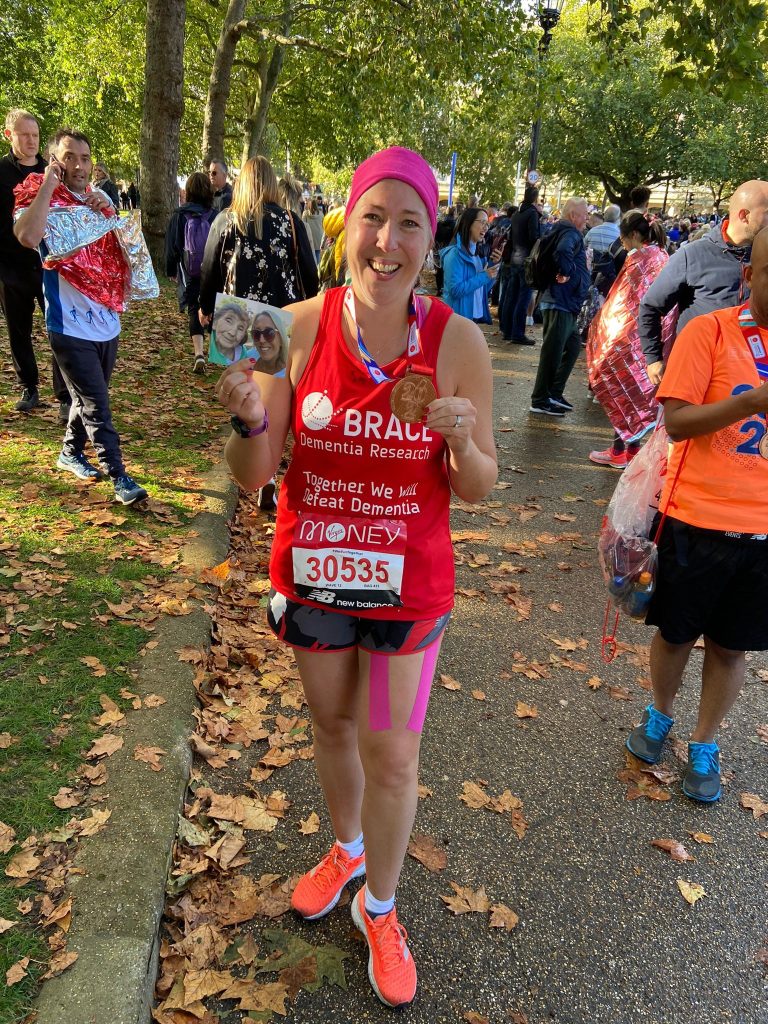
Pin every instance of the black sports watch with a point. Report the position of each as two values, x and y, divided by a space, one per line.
244 430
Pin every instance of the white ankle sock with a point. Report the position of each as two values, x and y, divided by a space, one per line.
374 907
356 848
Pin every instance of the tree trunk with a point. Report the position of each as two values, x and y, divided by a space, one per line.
163 107
256 121
221 83
269 75
619 194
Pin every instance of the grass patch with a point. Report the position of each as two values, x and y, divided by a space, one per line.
67 553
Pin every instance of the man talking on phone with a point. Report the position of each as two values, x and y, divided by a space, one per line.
83 333
20 271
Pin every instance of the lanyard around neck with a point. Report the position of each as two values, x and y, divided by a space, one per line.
754 341
414 349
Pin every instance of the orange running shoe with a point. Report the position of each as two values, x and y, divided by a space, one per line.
391 969
319 890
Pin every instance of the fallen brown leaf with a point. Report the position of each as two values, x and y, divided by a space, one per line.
424 849
524 710
309 825
60 963
6 925
675 849
594 682
449 682
503 917
23 865
752 802
18 971
150 756
105 746
7 837
701 837
96 822
619 693
66 797
465 900
478 695
473 796
474 1018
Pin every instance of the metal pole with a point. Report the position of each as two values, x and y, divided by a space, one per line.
666 195
517 181
533 159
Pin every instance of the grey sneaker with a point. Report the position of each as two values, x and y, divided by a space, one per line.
646 741
702 776
79 465
29 400
128 491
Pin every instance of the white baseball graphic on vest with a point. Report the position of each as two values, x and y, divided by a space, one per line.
335 532
316 410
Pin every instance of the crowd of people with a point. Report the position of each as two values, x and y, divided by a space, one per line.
387 394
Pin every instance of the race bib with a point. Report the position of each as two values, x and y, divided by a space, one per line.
349 564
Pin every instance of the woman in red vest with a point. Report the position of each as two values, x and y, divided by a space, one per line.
388 396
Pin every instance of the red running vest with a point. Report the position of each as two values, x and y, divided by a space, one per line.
362 518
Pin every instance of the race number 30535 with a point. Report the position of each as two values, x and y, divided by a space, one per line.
360 561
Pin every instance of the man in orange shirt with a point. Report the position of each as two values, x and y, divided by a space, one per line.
713 551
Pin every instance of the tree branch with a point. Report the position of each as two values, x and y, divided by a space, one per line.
252 27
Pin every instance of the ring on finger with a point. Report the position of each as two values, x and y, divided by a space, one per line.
458 421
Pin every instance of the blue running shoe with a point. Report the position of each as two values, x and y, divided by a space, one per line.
702 776
646 741
79 465
128 491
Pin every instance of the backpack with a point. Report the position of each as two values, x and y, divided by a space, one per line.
540 268
196 229
604 268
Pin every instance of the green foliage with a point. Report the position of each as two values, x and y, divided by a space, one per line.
721 47
607 115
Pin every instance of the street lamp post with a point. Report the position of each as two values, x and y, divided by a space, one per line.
548 12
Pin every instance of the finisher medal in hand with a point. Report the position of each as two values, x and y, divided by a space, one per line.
411 396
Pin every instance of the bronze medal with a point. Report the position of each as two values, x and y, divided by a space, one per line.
763 445
411 396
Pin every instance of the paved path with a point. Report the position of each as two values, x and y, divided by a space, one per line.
604 933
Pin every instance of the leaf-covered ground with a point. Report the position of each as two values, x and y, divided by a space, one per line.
83 582
532 817
550 876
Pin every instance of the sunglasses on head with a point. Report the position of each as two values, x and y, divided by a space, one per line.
267 334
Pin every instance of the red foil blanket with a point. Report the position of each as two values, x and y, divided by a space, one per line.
82 245
617 369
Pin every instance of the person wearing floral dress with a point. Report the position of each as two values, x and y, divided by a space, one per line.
256 249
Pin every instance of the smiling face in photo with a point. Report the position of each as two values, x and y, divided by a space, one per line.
266 337
231 328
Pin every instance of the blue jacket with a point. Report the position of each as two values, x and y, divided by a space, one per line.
700 277
571 262
461 280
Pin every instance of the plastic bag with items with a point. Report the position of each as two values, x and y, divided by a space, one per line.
628 555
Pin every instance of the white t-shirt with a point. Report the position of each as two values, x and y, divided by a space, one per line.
69 312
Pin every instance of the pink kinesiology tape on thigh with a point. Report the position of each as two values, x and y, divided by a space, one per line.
379 717
416 721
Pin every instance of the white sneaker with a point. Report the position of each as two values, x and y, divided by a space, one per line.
529 321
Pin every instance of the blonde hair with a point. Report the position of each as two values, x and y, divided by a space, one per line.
16 115
290 191
256 185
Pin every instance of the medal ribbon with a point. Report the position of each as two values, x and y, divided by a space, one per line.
754 341
414 350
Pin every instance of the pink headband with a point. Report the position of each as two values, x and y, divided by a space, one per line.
403 165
